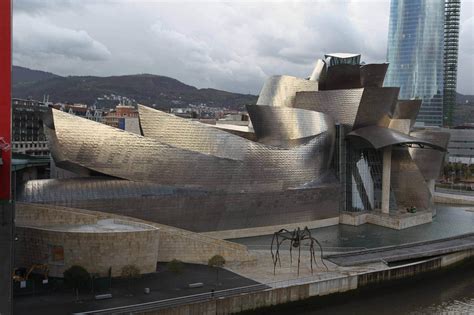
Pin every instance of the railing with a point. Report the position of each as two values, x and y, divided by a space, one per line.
173 302
462 189
203 297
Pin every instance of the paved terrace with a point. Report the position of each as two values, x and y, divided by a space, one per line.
405 252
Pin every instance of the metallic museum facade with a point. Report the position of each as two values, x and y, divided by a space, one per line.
337 141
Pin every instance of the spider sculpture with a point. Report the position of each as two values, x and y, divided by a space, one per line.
296 237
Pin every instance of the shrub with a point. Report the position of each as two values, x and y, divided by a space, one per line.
77 277
175 266
216 261
130 271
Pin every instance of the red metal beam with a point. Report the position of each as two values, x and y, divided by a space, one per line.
5 98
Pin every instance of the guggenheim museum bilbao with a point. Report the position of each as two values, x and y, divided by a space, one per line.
335 142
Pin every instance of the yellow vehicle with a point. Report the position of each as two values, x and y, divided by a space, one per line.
21 274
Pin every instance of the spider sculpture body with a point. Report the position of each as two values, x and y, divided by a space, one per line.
295 238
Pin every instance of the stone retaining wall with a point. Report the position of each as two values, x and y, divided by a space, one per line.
271 297
174 243
41 241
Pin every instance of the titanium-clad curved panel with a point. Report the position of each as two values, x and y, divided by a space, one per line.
55 150
281 90
342 76
117 153
430 162
407 109
246 132
407 182
194 210
373 74
352 107
341 105
400 125
376 107
440 138
319 71
380 137
193 135
278 125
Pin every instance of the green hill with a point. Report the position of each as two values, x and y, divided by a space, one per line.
146 89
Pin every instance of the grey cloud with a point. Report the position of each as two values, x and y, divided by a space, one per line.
225 45
37 37
43 6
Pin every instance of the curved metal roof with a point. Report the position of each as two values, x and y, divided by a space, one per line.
281 90
170 157
430 162
342 76
380 137
278 124
353 107
373 74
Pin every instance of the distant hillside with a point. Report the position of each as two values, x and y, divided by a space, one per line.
25 75
464 110
464 99
146 89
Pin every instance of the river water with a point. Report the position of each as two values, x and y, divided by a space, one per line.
448 292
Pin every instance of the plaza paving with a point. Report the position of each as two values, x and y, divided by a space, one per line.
163 284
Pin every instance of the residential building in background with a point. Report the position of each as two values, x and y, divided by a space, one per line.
451 45
421 43
27 127
124 117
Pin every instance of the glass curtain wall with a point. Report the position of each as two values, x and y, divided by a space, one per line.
415 52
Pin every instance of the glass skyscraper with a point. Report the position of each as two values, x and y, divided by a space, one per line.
415 51
451 44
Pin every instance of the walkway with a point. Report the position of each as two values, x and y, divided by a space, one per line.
406 251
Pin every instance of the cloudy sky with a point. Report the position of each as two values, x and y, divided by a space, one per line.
230 45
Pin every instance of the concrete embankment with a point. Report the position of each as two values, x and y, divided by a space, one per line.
454 199
281 295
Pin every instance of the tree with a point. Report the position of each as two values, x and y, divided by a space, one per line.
130 272
77 277
175 266
216 261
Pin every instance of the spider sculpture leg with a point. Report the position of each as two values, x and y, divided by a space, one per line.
311 255
274 256
320 248
299 253
291 247
279 244
278 238
321 251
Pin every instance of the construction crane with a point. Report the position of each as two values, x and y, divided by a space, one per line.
20 274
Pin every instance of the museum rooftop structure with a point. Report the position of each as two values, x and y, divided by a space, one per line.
335 143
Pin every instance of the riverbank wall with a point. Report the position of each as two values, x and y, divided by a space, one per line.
282 295
453 199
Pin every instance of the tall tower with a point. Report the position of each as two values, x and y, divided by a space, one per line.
415 51
451 43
